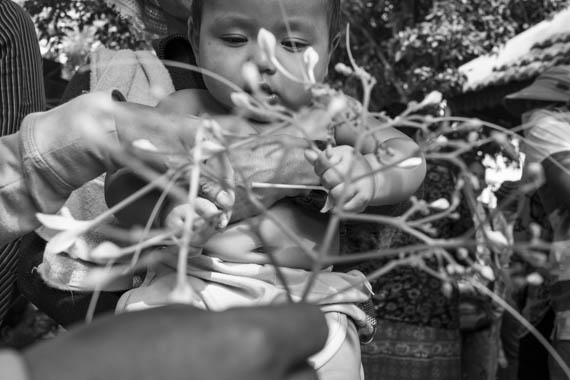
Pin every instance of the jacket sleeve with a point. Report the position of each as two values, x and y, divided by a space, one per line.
44 162
13 366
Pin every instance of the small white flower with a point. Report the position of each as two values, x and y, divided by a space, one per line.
267 42
440 204
343 69
411 162
447 289
182 293
433 98
251 75
61 222
496 238
336 106
455 269
311 58
106 251
487 272
534 279
70 229
441 139
241 100
535 173
462 253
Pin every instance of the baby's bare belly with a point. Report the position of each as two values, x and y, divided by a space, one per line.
289 236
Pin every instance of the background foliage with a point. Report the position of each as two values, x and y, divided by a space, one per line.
411 46
415 46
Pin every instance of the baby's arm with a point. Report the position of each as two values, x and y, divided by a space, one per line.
254 239
386 186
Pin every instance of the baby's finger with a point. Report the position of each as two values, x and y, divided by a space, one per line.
355 204
342 190
311 155
212 189
320 161
331 178
325 163
206 208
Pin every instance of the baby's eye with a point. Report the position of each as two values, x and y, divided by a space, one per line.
234 40
294 45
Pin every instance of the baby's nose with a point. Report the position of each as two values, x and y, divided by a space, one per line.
264 63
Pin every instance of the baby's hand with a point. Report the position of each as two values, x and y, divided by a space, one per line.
206 220
332 166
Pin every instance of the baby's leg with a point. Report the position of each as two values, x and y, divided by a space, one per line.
346 363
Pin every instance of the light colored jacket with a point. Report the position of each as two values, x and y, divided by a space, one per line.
39 168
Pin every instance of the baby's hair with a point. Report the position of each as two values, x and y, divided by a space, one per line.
333 13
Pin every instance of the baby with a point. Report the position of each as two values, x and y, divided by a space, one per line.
233 269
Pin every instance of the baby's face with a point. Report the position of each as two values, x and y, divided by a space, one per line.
228 39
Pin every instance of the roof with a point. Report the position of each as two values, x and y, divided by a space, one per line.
523 57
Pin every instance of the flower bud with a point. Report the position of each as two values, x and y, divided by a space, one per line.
440 204
145 144
343 69
534 279
267 42
447 289
336 105
251 75
432 98
462 254
311 58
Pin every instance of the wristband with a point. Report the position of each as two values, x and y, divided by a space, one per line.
12 366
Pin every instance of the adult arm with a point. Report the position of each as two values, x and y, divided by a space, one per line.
58 151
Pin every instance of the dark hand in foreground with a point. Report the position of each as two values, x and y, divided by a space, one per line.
180 342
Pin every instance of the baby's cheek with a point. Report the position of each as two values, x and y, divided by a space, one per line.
296 96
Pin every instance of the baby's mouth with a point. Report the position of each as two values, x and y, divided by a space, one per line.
268 95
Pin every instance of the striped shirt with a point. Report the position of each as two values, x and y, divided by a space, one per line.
21 93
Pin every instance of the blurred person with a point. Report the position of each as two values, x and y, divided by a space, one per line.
543 107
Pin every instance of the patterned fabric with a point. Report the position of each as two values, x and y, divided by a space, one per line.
408 294
402 351
21 93
417 336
